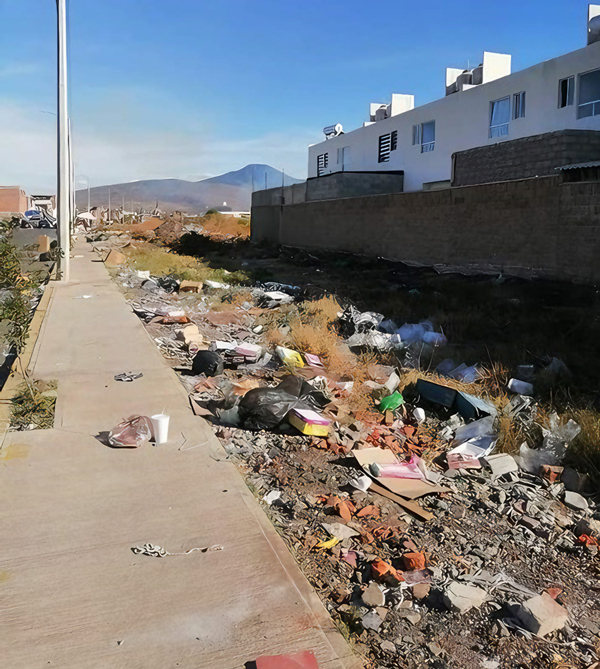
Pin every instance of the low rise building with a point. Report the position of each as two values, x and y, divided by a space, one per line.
513 125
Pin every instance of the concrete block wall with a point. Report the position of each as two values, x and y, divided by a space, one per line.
515 227
524 158
353 184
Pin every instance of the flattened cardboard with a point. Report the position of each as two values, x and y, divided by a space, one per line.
409 488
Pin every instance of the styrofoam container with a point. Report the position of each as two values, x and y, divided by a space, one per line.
160 427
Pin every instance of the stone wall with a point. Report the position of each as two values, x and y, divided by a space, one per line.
524 158
532 226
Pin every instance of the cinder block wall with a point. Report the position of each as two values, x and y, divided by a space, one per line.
523 158
516 226
353 184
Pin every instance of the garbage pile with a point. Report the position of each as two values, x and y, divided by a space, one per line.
428 546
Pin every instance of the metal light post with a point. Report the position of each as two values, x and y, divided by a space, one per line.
63 167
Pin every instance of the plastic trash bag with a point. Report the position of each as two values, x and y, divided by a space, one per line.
209 363
131 433
556 439
353 321
265 408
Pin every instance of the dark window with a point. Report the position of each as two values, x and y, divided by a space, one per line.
519 105
589 94
566 92
427 137
322 162
387 144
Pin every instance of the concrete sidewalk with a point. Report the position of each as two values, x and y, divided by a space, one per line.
72 594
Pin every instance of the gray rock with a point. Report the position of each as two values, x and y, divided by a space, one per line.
373 596
462 597
387 646
575 501
542 615
372 621
435 649
413 617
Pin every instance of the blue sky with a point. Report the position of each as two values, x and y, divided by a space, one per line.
190 89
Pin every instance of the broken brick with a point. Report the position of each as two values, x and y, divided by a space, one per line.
551 473
382 571
303 660
414 561
370 510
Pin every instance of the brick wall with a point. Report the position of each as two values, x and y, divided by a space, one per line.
524 158
515 227
13 200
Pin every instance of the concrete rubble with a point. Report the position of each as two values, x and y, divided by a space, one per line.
457 569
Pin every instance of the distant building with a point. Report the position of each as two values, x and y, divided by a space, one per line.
13 200
555 103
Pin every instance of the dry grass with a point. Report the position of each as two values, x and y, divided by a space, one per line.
218 225
584 453
162 262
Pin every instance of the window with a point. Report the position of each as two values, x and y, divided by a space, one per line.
427 137
519 105
416 134
387 143
322 162
589 94
566 92
499 117
424 134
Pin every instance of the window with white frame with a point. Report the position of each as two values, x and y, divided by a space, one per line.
322 162
387 144
427 136
499 117
589 94
519 105
566 92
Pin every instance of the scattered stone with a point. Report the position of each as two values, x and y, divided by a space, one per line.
435 649
413 617
462 597
387 646
542 615
575 501
372 621
373 596
421 590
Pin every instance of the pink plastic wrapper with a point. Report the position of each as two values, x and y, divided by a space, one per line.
403 470
131 433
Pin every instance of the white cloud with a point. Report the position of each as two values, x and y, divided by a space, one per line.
112 145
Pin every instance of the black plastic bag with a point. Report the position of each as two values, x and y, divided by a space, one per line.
298 387
209 363
265 408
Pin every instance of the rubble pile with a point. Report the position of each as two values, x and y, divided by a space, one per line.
428 546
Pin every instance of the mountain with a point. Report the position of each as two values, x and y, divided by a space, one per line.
235 188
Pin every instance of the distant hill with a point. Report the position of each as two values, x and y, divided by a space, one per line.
235 188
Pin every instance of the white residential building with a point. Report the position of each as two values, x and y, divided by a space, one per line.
482 107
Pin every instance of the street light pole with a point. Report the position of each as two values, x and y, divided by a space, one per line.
63 167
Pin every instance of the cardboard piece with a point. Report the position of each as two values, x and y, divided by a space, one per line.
411 507
114 258
43 243
409 488
190 287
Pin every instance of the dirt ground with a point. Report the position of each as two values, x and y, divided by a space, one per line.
509 535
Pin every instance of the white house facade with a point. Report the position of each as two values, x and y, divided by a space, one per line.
482 107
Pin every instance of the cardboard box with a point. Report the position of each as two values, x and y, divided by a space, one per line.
309 422
43 243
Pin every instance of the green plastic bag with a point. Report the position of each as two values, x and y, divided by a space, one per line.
391 402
